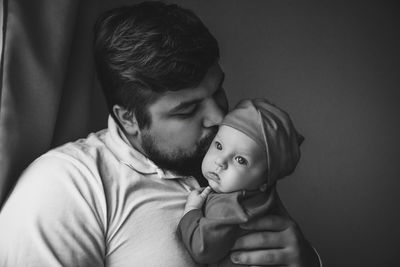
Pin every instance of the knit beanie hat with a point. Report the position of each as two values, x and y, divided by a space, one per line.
272 129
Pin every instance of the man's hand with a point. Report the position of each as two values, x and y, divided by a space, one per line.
279 242
196 199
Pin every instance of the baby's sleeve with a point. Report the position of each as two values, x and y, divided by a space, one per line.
209 236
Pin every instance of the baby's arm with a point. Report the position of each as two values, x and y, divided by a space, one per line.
209 237
196 199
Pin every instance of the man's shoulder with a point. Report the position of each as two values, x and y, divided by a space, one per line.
66 169
71 159
83 146
83 150
60 194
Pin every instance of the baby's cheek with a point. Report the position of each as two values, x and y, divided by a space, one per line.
236 178
205 165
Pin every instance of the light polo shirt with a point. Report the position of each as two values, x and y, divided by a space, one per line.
95 202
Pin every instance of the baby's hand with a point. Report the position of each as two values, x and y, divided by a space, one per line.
196 199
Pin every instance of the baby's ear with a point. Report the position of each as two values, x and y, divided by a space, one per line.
263 187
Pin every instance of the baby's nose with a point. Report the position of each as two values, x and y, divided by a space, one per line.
221 164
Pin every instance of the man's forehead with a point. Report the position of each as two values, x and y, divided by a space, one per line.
211 83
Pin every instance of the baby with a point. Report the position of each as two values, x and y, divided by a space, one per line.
255 146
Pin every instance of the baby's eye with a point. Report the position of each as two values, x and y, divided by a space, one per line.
241 160
218 145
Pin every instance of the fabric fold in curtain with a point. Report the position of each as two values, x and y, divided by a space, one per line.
47 79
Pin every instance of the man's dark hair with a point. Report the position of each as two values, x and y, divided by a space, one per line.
146 49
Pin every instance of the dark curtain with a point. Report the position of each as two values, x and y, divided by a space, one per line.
47 79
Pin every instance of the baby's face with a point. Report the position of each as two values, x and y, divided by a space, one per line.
234 162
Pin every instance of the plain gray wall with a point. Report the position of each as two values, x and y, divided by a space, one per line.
335 67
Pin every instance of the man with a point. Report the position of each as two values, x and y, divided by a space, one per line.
116 197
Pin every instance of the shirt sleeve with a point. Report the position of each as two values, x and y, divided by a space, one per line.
210 237
55 216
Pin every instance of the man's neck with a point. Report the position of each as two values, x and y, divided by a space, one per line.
131 140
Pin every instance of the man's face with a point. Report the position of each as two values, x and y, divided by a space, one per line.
183 124
234 162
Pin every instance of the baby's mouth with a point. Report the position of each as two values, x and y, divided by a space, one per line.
213 176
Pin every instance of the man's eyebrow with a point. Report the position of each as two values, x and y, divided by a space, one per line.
183 105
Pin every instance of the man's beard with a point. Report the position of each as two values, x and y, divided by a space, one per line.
179 162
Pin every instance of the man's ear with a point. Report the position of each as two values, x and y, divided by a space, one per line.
127 119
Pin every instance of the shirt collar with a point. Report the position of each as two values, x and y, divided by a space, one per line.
131 157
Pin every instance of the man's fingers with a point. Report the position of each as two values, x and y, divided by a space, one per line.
268 223
273 257
260 240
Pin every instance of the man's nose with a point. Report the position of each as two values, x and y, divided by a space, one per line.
213 114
